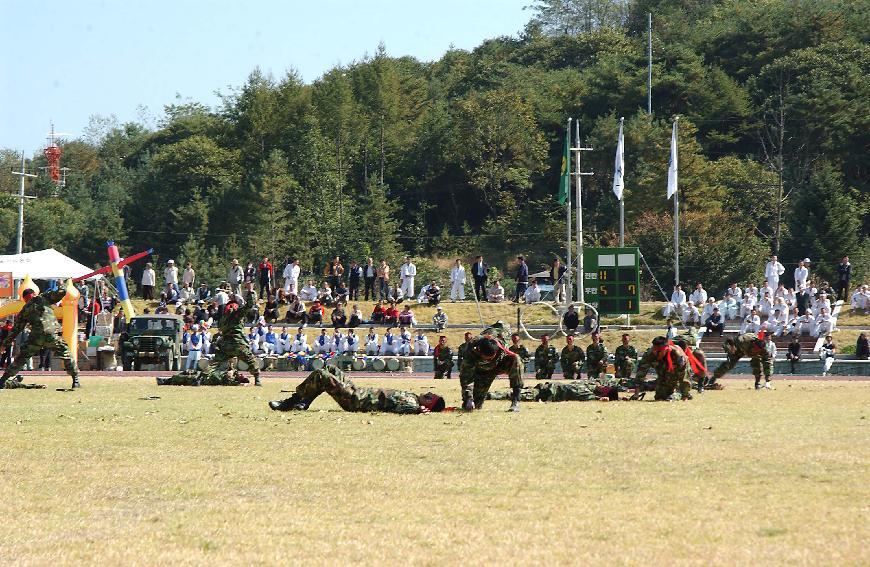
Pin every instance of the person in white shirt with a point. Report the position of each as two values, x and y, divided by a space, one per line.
752 323
187 293
308 292
751 290
495 293
801 273
457 281
407 273
351 343
235 276
735 292
765 289
270 341
827 354
790 297
772 271
439 319
254 341
861 299
404 342
194 348
533 293
691 315
322 344
750 301
765 305
390 344
730 307
285 342
421 344
677 304
699 296
170 274
337 341
291 277
780 291
778 322
300 341
803 324
822 303
371 342
824 323
709 306
189 275
149 280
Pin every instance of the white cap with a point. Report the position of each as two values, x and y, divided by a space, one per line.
806 260
170 261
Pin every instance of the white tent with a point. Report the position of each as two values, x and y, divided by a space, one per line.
42 265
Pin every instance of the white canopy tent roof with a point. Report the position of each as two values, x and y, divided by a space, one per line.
43 265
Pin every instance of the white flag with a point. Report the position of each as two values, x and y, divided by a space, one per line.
619 166
672 168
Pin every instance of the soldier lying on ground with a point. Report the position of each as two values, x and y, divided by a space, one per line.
44 333
352 398
17 384
228 377
574 391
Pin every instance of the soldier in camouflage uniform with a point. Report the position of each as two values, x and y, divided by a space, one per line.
17 383
596 357
698 366
486 358
519 349
443 358
228 377
351 398
545 359
574 391
460 352
671 365
233 343
625 358
572 359
753 347
44 333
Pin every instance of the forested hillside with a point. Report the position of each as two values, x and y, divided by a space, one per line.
462 155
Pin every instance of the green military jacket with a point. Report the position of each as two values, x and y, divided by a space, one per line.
596 355
545 357
623 354
521 351
570 358
38 314
232 329
442 355
504 362
391 401
460 352
649 361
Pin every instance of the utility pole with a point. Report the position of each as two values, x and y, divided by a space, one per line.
649 65
578 175
21 197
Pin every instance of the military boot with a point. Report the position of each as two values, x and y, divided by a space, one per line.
468 405
294 402
162 381
515 399
75 382
257 380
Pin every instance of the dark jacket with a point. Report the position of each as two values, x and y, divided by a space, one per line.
523 273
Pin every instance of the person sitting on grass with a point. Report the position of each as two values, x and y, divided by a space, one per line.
378 313
495 294
406 317
315 313
391 315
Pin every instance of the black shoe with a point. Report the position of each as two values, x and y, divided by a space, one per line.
294 402
19 378
76 384
257 380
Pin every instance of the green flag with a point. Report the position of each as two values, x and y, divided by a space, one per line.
565 178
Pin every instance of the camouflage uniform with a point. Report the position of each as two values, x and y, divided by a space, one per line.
545 362
749 345
229 377
522 352
668 381
443 359
476 374
596 360
234 344
16 385
571 360
625 358
460 353
574 391
351 398
687 343
44 333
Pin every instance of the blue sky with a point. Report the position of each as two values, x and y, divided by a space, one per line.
66 61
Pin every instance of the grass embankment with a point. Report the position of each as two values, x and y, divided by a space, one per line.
211 476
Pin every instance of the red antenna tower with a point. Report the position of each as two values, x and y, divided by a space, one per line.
52 155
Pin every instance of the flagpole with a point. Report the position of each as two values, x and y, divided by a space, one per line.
567 282
580 295
621 199
676 216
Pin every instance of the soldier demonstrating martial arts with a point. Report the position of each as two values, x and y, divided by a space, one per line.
44 333
352 398
485 358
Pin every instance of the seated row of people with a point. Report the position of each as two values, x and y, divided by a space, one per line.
263 340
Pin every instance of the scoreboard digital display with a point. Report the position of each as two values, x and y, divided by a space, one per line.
611 280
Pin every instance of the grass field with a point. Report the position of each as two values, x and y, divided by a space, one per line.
210 475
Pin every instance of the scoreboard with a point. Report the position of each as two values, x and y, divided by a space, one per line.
611 280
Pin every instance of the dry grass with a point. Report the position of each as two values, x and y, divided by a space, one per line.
210 475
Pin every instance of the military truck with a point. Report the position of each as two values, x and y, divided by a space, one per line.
152 339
